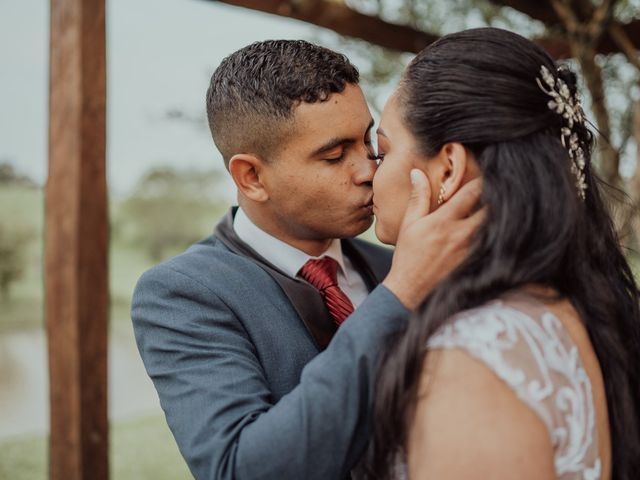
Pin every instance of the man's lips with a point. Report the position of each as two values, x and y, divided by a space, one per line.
370 205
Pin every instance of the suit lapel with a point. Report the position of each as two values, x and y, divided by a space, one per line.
305 299
350 249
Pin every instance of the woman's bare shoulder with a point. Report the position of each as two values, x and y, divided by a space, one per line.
469 424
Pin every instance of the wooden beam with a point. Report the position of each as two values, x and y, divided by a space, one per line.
346 21
76 239
340 18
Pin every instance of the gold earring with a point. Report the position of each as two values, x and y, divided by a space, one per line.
443 191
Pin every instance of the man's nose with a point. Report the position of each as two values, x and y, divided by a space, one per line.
365 169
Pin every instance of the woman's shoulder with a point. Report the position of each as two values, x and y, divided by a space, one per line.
469 424
522 341
531 360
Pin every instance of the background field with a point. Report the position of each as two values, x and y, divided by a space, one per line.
141 445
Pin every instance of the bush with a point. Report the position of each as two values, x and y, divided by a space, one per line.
169 210
13 257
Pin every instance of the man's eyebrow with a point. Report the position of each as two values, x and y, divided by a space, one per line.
337 142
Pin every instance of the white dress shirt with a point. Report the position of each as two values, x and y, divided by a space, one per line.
290 260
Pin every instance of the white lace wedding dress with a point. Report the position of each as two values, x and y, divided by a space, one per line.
527 347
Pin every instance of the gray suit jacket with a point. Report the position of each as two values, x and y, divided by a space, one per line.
235 349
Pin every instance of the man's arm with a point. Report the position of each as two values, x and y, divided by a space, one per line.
216 397
212 386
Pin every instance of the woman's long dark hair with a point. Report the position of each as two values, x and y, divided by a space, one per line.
478 87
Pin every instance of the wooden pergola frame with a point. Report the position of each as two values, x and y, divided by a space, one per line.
76 242
77 232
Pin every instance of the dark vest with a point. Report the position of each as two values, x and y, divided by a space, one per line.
370 261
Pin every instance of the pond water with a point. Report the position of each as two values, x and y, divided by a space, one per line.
24 396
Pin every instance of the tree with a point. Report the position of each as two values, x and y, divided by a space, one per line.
9 175
170 209
13 259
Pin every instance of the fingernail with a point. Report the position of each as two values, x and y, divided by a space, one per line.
415 176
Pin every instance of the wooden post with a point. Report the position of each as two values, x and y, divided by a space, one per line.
76 268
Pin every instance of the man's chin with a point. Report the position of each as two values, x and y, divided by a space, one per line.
354 228
364 226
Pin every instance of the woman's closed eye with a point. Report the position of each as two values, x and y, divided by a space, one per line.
379 158
372 155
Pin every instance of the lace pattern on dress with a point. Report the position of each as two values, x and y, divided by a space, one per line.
535 357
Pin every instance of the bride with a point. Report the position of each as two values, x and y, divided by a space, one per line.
524 362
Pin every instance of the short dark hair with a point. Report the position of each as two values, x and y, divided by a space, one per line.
253 92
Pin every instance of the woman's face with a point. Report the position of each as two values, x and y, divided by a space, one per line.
399 154
451 167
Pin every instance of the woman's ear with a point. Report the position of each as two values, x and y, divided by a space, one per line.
457 162
247 171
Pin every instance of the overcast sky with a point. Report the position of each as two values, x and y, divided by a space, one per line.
161 54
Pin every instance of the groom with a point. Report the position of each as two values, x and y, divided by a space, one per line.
262 340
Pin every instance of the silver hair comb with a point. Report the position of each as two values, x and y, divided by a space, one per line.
570 107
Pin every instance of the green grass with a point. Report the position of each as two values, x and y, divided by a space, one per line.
24 310
131 458
21 206
155 458
140 449
19 314
24 459
126 264
21 210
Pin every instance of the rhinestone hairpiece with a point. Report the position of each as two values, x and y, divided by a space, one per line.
570 107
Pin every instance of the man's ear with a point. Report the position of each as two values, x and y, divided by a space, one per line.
457 161
247 171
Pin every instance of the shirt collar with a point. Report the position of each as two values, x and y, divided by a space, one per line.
282 255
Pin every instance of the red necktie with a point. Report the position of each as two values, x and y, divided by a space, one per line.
323 274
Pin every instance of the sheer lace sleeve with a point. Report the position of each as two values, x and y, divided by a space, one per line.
529 349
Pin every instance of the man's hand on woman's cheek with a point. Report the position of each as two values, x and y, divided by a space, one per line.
430 246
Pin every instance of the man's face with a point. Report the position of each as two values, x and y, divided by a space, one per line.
319 183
